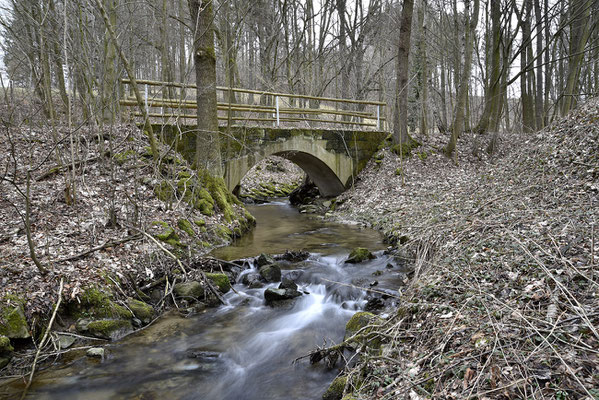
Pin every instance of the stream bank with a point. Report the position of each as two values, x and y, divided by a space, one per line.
245 348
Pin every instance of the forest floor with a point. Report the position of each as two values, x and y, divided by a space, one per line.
504 301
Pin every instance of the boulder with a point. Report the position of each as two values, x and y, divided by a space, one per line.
5 346
190 289
304 193
293 255
13 323
263 259
112 329
273 296
288 284
221 281
358 255
4 361
358 321
142 311
252 280
271 272
335 390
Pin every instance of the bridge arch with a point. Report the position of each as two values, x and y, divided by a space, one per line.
327 181
330 157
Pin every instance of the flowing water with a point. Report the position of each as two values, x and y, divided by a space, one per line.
244 349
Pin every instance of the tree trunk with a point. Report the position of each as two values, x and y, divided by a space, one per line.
400 115
489 118
458 122
579 15
208 154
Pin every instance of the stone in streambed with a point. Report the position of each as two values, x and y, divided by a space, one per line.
358 255
95 352
263 259
270 272
252 280
142 311
287 290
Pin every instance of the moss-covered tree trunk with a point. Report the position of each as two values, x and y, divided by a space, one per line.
208 142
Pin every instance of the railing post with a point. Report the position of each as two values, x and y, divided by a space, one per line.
378 117
277 108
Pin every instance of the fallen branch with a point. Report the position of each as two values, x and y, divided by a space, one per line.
209 285
110 243
56 169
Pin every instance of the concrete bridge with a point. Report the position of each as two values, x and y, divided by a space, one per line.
330 157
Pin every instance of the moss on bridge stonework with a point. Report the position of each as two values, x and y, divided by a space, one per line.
345 152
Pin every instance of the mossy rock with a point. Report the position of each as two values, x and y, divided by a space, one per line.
142 311
405 149
264 259
224 232
200 222
358 255
168 234
186 227
349 396
335 389
4 361
112 329
220 280
97 304
358 321
189 290
5 346
121 158
13 323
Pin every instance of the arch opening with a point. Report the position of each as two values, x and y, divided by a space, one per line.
325 179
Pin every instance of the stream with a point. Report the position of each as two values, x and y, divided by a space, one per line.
244 349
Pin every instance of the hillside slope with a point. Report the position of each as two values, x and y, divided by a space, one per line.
505 296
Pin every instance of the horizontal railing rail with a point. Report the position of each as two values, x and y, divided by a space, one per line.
278 107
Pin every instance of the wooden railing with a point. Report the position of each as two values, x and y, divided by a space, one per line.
257 107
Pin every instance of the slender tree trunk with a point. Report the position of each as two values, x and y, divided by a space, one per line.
423 70
539 70
400 115
131 74
458 122
580 30
109 81
489 118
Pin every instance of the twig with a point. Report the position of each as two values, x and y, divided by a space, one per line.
43 342
167 251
